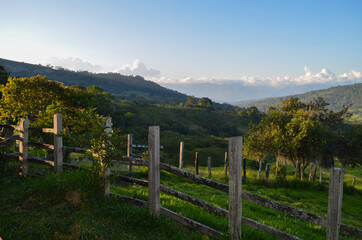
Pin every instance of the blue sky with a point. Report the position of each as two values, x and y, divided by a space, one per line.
188 40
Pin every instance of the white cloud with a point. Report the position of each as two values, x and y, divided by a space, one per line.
75 64
324 76
138 68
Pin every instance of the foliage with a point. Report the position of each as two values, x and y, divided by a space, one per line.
190 101
303 132
3 76
205 102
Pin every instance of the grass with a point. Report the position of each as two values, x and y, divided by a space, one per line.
71 206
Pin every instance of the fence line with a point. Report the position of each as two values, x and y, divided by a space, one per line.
236 195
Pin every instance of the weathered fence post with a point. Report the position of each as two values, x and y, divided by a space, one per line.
226 165
260 168
197 163
154 171
267 169
23 146
209 165
58 142
311 172
276 169
181 163
235 180
354 181
129 150
107 123
244 168
335 203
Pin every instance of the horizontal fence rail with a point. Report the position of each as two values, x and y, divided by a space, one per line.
55 160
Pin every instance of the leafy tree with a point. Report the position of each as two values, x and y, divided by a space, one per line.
205 102
190 101
297 132
3 76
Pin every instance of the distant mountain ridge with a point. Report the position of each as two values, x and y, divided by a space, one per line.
111 82
337 97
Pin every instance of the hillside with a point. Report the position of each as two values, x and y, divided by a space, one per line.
337 97
111 82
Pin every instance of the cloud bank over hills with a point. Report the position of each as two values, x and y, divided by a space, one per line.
226 90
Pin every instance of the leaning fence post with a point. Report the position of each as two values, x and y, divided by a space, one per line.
354 181
226 165
335 203
23 146
209 165
260 168
129 151
235 180
197 163
58 143
107 173
181 163
154 171
267 169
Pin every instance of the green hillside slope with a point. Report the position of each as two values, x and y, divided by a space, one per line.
111 82
337 97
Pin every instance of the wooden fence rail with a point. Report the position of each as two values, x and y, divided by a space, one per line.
236 194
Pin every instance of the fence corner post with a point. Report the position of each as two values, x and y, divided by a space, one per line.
235 181
181 163
197 163
335 197
23 146
154 171
58 143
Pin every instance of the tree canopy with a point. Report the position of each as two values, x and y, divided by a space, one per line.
303 132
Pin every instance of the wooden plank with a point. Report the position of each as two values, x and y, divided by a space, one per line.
209 165
75 149
260 168
192 224
188 198
48 147
283 208
267 229
23 147
129 150
181 161
178 218
195 178
58 143
48 130
235 181
335 203
154 171
197 163
350 231
135 161
226 164
41 161
267 171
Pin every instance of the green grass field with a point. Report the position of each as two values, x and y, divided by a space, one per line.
70 206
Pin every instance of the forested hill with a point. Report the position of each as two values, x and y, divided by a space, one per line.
337 97
111 82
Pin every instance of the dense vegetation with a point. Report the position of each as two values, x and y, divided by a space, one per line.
337 97
304 133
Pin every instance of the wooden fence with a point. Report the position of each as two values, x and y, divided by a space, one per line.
236 195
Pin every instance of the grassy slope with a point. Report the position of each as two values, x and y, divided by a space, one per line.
70 206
